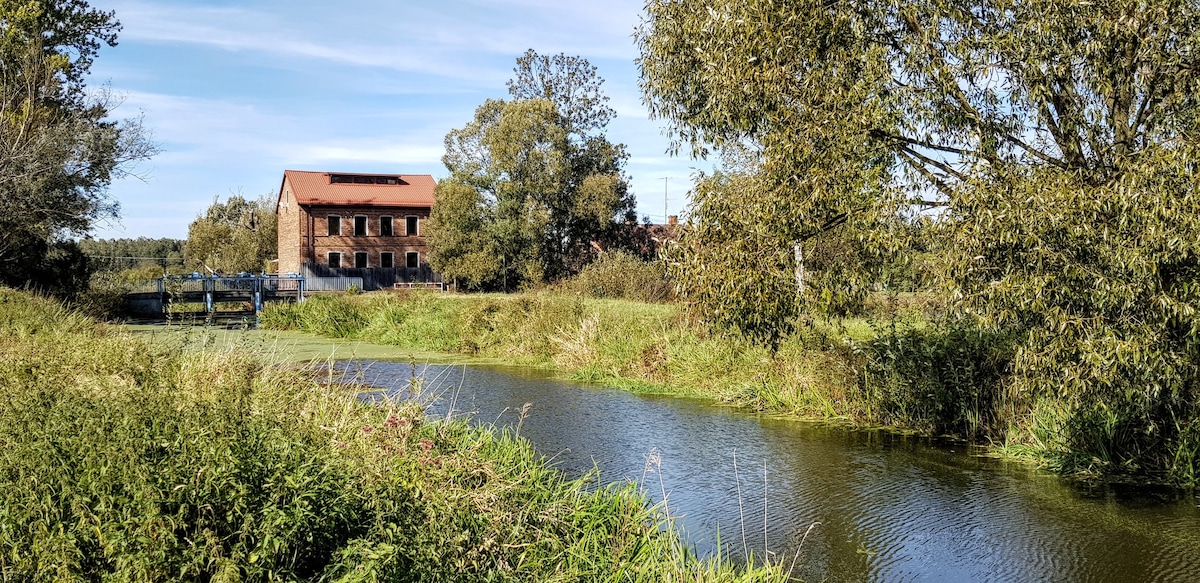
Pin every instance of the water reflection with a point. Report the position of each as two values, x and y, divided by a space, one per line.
890 508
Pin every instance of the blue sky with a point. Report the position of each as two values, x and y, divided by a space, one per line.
235 92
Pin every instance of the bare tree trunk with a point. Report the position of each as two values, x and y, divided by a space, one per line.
799 249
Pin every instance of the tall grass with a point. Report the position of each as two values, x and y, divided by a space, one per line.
641 346
121 461
898 367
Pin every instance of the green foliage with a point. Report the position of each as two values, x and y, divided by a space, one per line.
784 91
1059 136
57 268
533 181
1104 286
105 296
126 462
940 380
740 269
620 275
236 236
61 147
327 315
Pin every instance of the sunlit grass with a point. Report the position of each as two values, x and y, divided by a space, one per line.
132 460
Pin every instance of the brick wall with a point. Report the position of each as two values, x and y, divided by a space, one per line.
373 243
290 243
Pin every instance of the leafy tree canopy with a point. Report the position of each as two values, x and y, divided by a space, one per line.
233 236
533 180
61 150
1061 138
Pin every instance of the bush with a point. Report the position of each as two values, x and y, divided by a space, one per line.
940 379
105 296
620 275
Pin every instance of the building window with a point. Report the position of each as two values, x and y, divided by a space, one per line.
412 259
410 226
335 260
385 226
360 259
360 226
335 225
387 260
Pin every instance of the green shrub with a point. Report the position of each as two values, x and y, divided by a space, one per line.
620 275
105 297
944 380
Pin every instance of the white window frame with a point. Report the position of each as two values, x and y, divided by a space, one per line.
329 256
366 225
339 225
391 225
416 221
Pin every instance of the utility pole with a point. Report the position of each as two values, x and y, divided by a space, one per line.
666 213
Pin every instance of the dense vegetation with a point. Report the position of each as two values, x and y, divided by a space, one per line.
62 149
1059 141
534 181
125 461
238 235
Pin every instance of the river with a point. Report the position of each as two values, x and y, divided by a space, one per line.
853 505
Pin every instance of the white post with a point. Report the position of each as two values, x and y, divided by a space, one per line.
799 249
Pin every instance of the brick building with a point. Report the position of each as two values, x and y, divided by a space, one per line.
357 225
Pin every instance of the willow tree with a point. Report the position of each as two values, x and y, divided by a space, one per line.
1060 136
60 148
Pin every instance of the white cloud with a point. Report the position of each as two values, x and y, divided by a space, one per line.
368 152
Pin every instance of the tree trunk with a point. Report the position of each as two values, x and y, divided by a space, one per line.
799 249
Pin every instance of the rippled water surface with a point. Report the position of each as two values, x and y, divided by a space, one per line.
887 507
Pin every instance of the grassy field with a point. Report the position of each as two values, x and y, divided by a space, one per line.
126 460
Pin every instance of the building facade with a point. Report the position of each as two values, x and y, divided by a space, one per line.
360 225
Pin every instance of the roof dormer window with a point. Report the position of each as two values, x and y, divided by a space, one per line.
364 179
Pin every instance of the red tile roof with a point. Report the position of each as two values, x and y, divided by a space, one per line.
311 188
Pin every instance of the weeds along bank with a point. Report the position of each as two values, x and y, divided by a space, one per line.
635 345
639 346
124 461
900 372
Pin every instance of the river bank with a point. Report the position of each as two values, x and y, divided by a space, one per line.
138 461
892 371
